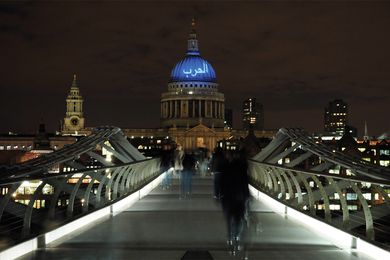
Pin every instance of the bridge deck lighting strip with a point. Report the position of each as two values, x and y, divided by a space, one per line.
344 240
75 226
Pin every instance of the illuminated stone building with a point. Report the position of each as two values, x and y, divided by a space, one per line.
17 148
192 95
192 109
74 121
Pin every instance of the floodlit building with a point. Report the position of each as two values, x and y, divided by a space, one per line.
74 122
192 109
192 96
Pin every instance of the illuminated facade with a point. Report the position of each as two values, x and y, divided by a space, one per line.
74 121
336 117
252 115
192 109
192 97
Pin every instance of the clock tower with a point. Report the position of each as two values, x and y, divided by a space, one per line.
74 119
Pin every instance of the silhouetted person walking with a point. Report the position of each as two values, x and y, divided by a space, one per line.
217 165
235 194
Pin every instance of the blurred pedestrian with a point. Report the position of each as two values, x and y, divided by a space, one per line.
166 166
217 165
235 195
178 159
189 163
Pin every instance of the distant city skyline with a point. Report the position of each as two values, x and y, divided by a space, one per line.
293 57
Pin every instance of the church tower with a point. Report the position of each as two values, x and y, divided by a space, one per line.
74 118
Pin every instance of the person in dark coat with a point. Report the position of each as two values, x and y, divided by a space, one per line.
166 166
217 165
189 163
235 194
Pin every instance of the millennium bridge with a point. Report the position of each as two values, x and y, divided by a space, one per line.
110 205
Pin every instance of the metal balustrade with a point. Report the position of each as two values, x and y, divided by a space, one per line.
55 198
294 169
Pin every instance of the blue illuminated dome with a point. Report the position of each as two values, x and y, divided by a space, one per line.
193 67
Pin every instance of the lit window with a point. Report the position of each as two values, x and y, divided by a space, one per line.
334 207
352 207
351 196
384 163
367 196
366 185
384 152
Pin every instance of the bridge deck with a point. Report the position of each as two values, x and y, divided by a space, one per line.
160 226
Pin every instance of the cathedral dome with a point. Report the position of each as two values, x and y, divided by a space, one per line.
192 97
193 68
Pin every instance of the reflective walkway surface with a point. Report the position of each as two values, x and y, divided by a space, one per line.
162 226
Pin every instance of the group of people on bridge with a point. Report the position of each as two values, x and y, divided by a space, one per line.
229 170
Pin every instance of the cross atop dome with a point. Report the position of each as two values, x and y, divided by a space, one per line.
193 23
74 83
192 48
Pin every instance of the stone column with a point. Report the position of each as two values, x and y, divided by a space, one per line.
223 110
175 109
193 107
200 107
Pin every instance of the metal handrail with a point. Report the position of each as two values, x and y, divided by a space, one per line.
126 172
291 186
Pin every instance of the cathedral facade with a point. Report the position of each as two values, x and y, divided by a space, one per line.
192 96
192 109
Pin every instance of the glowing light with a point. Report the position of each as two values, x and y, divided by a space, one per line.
337 236
193 72
193 67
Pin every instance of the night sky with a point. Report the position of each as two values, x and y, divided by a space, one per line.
293 56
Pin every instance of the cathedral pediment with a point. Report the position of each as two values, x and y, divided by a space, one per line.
200 129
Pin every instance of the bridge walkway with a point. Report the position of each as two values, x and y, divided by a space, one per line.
162 226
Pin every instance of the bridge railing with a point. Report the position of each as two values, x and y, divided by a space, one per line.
28 208
326 183
56 188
